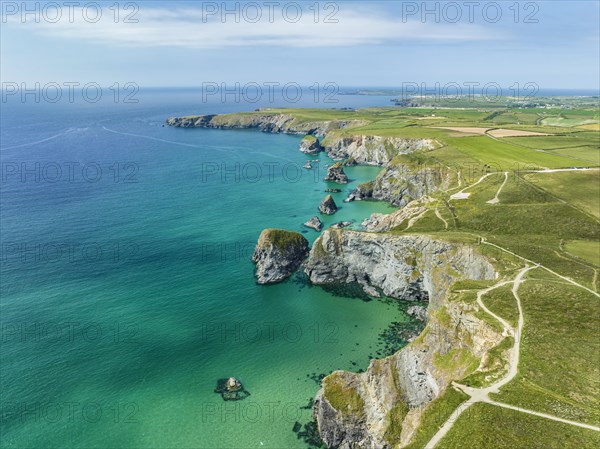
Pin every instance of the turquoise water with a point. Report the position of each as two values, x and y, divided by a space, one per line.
125 295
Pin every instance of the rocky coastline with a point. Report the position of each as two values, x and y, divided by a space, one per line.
382 407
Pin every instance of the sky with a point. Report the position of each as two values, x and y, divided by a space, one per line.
554 44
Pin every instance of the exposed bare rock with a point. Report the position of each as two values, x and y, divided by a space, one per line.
373 150
328 206
399 387
310 145
278 254
314 223
336 173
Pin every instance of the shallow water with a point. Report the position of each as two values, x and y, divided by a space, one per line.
128 291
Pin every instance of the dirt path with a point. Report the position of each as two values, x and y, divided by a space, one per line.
545 415
496 200
413 220
481 394
462 195
570 281
437 214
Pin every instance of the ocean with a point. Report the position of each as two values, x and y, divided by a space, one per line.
127 288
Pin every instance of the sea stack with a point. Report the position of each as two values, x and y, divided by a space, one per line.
310 145
328 206
314 223
336 173
278 254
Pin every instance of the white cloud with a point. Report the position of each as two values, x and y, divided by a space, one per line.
186 27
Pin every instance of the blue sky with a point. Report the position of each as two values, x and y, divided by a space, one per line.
183 43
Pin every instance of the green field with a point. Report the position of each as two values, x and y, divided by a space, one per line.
585 249
581 189
559 371
484 426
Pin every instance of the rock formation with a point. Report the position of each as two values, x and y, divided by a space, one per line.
264 121
231 389
374 150
336 173
314 223
357 410
328 206
278 254
310 145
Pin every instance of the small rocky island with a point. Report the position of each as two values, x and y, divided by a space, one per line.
328 206
310 145
278 254
231 389
314 223
336 173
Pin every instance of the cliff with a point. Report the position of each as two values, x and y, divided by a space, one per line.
264 121
381 407
278 254
373 150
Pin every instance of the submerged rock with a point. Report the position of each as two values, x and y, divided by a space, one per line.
278 254
333 190
310 145
341 224
350 198
328 206
231 389
314 223
336 173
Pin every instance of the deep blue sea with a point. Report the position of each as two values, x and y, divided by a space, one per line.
127 288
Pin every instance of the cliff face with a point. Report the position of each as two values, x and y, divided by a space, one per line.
267 122
278 254
399 184
374 150
390 396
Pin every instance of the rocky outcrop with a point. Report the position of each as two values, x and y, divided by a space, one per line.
386 401
314 223
310 145
265 121
364 191
400 183
402 217
278 254
336 173
341 224
374 150
328 206
359 149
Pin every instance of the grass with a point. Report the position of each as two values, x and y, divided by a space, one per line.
504 156
456 359
485 426
342 396
494 367
285 239
589 154
559 369
588 250
502 302
581 189
394 423
549 218
435 414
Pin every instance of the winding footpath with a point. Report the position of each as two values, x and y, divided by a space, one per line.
496 199
481 394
